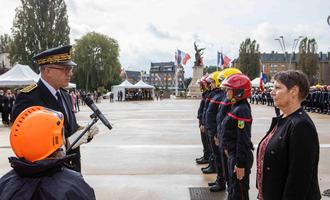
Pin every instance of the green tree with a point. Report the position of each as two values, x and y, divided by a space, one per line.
249 58
5 41
38 25
308 61
210 69
97 58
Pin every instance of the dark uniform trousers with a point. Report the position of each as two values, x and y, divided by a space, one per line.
239 189
211 124
39 95
204 139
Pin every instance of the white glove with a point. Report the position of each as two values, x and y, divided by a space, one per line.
85 138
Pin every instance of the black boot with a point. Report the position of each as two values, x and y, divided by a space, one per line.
212 183
218 187
209 170
202 161
199 158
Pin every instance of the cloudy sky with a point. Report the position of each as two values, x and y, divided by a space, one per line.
151 30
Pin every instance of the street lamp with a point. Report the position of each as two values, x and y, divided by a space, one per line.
294 46
283 47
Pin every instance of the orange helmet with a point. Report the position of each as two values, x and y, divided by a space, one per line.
36 133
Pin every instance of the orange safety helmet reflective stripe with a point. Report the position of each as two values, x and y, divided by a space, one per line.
36 133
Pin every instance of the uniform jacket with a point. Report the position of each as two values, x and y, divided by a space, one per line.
236 127
206 105
291 159
201 107
41 96
222 113
43 180
212 110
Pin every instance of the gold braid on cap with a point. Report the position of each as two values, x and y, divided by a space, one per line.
54 58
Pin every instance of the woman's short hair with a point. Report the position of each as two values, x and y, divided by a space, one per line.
291 78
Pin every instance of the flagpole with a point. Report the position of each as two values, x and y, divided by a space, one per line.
176 81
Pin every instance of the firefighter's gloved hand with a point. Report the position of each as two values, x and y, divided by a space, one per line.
85 138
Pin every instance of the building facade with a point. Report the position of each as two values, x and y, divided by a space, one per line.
163 75
275 62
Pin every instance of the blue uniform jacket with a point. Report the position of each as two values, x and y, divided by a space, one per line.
236 128
212 110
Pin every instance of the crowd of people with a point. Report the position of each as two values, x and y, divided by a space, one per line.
287 156
317 100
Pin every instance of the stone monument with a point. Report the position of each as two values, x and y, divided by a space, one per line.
193 88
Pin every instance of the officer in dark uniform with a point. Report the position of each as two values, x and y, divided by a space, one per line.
211 167
236 127
56 71
211 126
206 148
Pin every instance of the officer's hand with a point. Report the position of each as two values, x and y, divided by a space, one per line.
93 131
226 152
240 173
84 139
202 128
216 141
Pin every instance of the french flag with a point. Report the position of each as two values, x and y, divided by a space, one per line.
262 78
181 57
222 61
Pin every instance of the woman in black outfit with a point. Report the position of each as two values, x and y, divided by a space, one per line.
288 156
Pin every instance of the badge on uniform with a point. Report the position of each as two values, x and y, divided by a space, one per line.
240 124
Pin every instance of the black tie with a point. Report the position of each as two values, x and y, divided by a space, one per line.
61 104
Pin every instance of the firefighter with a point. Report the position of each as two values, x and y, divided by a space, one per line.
37 139
204 87
224 105
236 127
211 126
211 167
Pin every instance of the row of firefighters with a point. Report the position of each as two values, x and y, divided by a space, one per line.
318 99
225 125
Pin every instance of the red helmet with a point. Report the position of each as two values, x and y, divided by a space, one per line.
241 85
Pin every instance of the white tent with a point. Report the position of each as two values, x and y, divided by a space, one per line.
18 75
121 87
143 85
256 83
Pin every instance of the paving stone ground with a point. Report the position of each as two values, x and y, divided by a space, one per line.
150 152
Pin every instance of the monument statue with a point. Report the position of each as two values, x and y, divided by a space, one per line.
193 88
198 55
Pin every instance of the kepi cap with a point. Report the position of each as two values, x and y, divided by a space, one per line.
58 55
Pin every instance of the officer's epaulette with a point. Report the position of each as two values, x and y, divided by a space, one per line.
29 88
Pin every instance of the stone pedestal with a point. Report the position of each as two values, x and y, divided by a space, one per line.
193 88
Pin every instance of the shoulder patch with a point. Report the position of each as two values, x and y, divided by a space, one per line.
240 124
29 88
